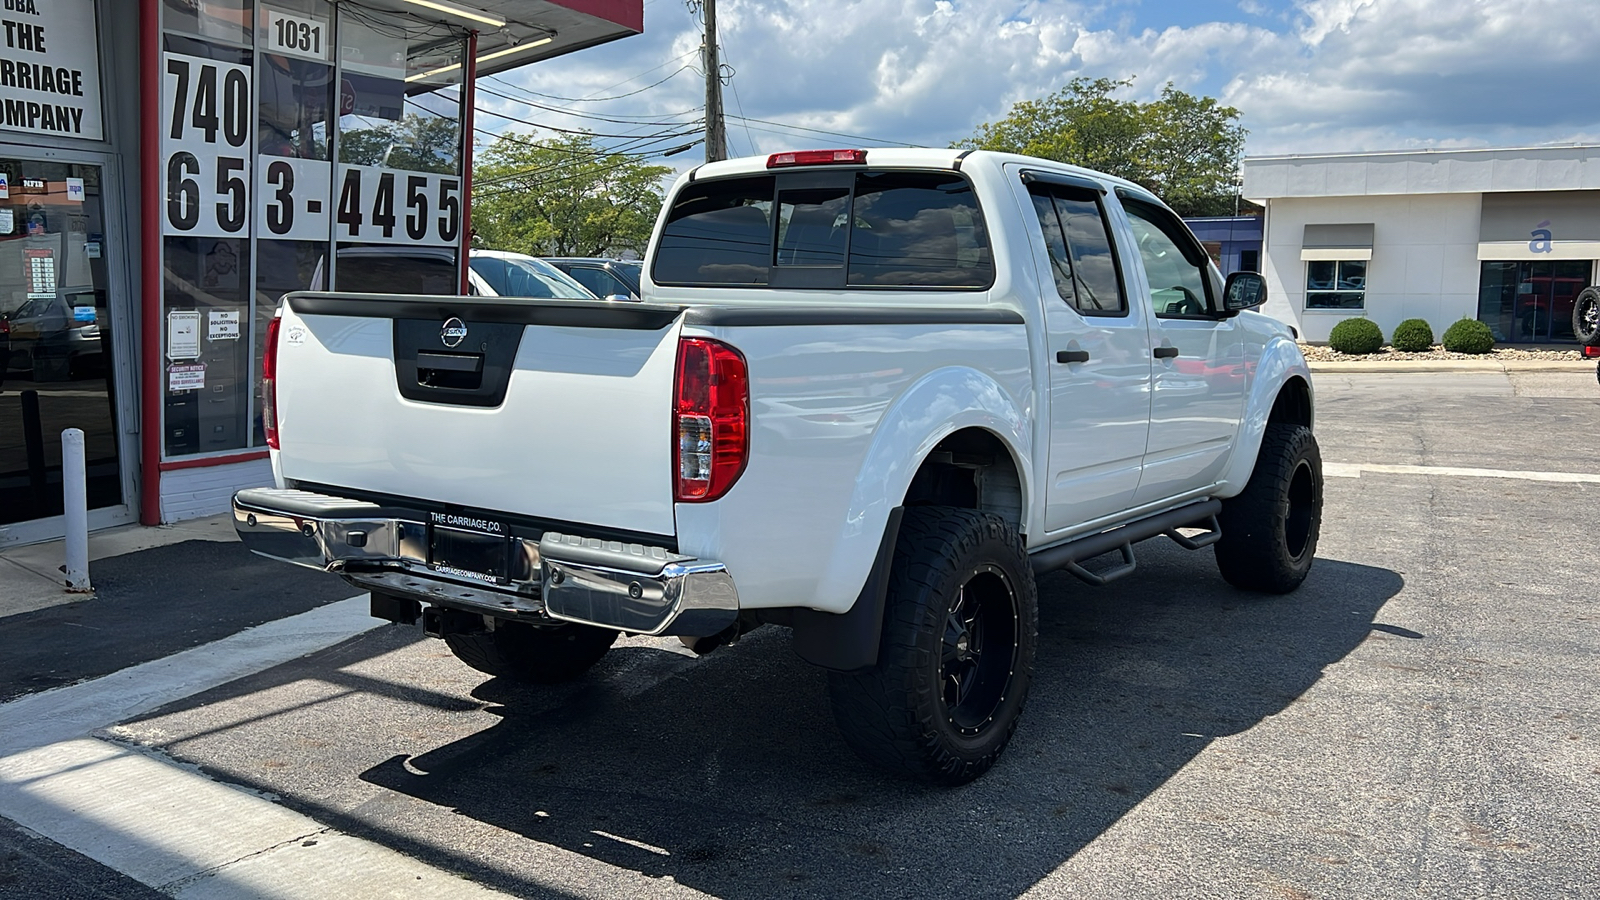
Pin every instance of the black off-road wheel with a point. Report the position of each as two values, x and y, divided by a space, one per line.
960 631
1586 317
1269 532
537 654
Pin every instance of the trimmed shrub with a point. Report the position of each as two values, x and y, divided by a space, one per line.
1412 336
1356 335
1468 336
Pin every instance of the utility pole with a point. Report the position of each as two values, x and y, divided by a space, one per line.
716 132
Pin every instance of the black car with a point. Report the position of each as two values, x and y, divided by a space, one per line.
605 277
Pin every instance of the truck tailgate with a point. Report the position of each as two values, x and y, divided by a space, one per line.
508 406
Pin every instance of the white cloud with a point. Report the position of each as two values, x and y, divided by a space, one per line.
1315 75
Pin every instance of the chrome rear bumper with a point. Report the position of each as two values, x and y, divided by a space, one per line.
629 587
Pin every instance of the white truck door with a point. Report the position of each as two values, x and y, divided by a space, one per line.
1098 355
1199 384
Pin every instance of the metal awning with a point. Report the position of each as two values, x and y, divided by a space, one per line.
1335 242
513 33
1537 225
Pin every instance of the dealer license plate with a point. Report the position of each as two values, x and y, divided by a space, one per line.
469 547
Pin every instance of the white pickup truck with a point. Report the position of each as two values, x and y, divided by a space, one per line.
869 396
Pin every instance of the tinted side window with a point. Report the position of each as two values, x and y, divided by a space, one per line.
918 229
601 282
1174 265
1081 255
718 232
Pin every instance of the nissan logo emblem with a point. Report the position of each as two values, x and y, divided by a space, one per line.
453 333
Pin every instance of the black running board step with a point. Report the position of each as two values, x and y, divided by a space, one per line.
1070 554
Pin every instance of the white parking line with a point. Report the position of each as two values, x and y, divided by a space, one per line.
1355 470
171 827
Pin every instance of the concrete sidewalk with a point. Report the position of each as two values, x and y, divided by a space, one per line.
31 576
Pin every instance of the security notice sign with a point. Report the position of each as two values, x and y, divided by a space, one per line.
50 68
206 121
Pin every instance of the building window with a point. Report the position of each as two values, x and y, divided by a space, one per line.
1340 284
1249 260
292 160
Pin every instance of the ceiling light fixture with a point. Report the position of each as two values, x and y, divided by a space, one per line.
482 59
476 15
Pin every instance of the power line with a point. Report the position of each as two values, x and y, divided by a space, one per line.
739 103
543 183
637 158
621 120
853 137
532 124
647 87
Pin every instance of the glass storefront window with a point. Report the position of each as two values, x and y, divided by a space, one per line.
227 21
282 145
56 367
1527 301
400 98
206 309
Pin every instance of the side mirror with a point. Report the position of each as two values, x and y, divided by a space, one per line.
1244 290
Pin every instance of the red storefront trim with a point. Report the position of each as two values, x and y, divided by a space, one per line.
203 462
150 263
469 102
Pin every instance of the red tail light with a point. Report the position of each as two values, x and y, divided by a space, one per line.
817 158
711 420
1591 352
269 384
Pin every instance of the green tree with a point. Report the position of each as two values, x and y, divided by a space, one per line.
564 196
1184 148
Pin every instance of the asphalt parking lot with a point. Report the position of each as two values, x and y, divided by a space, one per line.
1419 720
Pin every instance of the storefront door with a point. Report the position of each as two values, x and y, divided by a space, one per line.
59 357
1530 301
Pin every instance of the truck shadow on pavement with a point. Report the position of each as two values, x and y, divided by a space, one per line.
728 775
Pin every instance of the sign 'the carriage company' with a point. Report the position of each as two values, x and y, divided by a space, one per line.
50 68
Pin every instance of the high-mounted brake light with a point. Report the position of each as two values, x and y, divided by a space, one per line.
710 419
269 384
817 158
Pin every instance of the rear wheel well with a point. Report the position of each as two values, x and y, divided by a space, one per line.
970 469
1293 406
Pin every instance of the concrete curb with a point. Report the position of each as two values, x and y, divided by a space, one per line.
1422 366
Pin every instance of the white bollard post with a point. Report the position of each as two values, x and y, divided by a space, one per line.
75 501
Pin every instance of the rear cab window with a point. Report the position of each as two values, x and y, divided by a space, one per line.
1083 259
828 229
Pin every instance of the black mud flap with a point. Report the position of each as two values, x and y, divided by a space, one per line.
848 641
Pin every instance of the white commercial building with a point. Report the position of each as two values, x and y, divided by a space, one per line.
1506 236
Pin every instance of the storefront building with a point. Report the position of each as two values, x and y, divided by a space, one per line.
170 168
1505 236
1232 242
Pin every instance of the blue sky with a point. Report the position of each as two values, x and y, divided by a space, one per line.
1308 76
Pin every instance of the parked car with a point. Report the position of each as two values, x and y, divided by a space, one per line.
605 277
872 418
504 274
57 337
398 269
